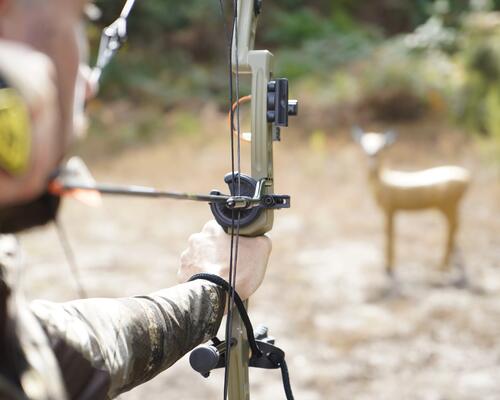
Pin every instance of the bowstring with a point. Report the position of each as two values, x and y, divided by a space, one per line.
229 43
232 37
238 148
70 257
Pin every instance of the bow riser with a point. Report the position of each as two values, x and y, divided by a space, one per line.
244 38
260 62
238 379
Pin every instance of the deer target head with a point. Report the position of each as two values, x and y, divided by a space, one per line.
373 143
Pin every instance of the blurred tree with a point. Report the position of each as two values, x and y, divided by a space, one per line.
480 105
176 51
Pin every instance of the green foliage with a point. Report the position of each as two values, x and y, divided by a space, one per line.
391 59
124 125
154 19
449 66
398 83
480 56
177 49
292 29
320 57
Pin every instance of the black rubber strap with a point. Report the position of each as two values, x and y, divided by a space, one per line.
277 359
281 363
239 305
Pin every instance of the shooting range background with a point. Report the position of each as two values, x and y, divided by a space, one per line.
323 298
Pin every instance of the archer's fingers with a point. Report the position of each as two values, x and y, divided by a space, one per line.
212 228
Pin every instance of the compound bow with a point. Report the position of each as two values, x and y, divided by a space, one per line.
249 208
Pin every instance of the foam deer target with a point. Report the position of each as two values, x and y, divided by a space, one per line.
440 188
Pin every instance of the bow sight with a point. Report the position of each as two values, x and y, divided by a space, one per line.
278 108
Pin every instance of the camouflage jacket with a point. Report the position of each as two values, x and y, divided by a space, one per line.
98 348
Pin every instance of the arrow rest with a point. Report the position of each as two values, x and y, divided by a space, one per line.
247 200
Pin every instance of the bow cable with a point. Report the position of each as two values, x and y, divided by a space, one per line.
127 8
230 300
112 38
231 37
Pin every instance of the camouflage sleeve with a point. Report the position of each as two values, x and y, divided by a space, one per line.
134 339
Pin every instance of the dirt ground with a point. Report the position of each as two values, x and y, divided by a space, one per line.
323 298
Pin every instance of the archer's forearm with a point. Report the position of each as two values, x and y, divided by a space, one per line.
134 339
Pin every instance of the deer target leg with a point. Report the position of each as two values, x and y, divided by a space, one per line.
389 244
450 241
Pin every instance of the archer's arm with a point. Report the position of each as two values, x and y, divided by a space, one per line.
129 341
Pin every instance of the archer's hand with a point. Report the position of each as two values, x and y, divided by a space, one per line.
209 252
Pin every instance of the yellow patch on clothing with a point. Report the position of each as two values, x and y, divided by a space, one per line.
15 132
